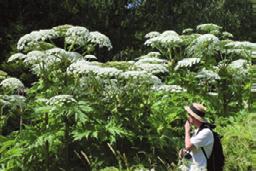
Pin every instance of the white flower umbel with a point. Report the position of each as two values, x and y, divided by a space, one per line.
100 39
61 53
244 44
81 67
208 27
12 101
107 72
77 35
16 56
187 31
187 62
227 35
12 84
152 68
34 37
25 41
41 58
61 100
74 56
207 38
43 35
166 39
89 57
239 64
56 51
134 74
169 88
213 93
207 75
152 34
16 99
34 57
62 29
85 67
153 54
138 75
151 60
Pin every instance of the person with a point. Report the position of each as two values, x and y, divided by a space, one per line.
201 138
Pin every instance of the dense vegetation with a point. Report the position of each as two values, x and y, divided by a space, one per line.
72 98
82 114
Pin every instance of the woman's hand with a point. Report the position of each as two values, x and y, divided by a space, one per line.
187 126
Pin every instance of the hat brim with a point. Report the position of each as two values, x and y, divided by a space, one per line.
187 108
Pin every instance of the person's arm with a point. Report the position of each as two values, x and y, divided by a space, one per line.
188 144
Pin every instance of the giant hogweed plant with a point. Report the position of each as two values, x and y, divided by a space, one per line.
207 61
77 109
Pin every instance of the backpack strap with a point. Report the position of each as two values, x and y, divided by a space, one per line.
204 153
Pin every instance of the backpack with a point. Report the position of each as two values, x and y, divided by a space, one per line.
216 160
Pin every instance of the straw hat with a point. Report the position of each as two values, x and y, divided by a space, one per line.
197 111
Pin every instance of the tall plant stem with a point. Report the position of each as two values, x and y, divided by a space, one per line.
66 136
47 159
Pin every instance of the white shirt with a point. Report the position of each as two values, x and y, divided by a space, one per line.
203 139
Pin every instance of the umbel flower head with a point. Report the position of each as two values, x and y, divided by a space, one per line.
152 34
100 39
166 39
77 35
16 56
61 100
187 62
169 88
152 68
30 40
208 27
84 67
12 84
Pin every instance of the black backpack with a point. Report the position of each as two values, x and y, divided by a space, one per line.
217 159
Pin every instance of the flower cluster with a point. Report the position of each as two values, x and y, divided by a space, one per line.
12 84
207 75
205 43
137 75
100 39
187 31
77 35
227 35
207 38
61 100
152 68
153 54
166 39
239 64
41 60
239 68
208 27
12 100
90 57
85 67
74 56
151 60
62 29
34 57
61 53
16 56
245 44
152 34
30 40
187 62
169 88
56 51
